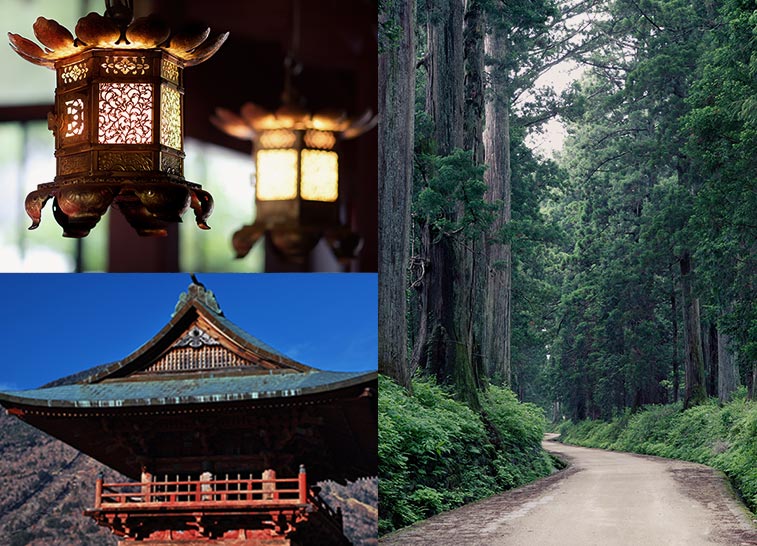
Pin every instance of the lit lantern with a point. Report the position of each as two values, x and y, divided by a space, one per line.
118 120
296 176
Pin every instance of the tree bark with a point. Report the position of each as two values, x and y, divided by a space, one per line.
497 312
728 377
694 392
396 124
444 94
473 111
710 352
421 266
676 361
474 257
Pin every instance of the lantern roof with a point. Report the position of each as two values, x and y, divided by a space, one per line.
198 357
190 47
254 119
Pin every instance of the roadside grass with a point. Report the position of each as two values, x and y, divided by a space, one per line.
723 437
435 453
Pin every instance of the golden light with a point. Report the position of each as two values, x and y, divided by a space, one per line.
296 175
276 175
118 120
286 161
319 174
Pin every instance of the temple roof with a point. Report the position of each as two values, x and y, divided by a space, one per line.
198 357
203 391
186 391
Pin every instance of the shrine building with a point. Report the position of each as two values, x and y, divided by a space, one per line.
222 437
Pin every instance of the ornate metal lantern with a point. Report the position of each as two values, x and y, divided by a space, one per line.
296 167
118 120
297 176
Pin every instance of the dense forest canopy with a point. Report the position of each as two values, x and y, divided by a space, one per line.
617 274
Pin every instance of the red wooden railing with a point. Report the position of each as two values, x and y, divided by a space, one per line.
240 491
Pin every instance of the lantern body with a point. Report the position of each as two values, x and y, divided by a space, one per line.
119 139
118 115
297 177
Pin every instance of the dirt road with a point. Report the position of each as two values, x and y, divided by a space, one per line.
603 498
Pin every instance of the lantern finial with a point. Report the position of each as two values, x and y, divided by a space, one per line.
121 11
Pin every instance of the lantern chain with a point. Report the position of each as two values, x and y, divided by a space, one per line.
121 11
292 64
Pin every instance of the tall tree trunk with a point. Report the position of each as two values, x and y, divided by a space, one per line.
473 111
710 353
694 392
444 94
676 361
728 377
396 95
473 123
497 312
421 266
448 328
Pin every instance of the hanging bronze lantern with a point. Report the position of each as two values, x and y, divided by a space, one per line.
296 158
296 176
118 120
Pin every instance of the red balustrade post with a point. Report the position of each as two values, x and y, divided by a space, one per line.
98 491
269 485
146 481
303 485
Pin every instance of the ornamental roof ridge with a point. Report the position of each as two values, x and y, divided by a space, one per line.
197 291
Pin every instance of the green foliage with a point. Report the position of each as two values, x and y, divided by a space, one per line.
453 182
722 138
517 431
660 164
389 28
435 453
533 239
532 28
722 437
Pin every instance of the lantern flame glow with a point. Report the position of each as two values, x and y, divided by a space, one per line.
276 175
320 176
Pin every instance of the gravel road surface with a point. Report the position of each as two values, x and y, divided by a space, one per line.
603 498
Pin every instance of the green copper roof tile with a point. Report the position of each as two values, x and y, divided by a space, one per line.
160 392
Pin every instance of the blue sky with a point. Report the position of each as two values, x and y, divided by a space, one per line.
54 325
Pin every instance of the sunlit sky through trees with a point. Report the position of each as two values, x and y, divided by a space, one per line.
553 132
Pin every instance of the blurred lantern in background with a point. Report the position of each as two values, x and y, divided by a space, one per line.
296 168
296 176
118 120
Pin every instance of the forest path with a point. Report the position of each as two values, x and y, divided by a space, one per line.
603 498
